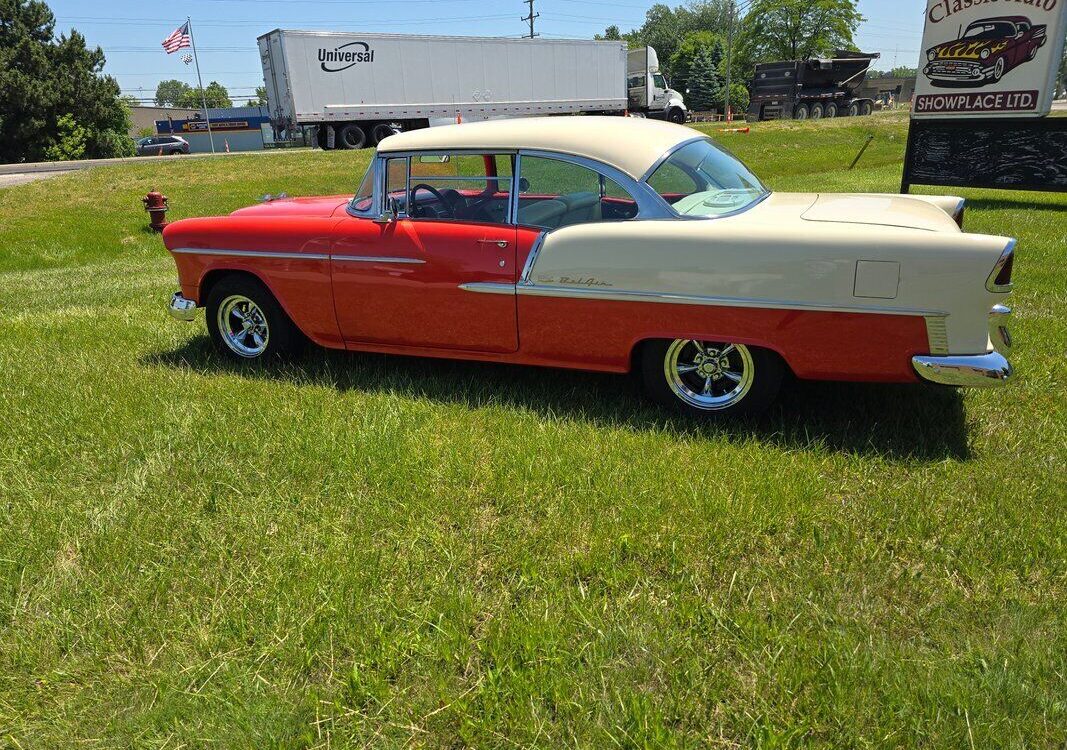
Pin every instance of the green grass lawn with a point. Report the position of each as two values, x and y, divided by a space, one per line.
359 550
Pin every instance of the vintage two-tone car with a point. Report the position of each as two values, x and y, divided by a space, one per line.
985 51
610 244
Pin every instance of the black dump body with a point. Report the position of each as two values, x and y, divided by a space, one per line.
779 87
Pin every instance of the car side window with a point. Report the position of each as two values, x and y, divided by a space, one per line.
461 187
557 193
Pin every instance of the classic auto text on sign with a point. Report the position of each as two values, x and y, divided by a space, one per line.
984 58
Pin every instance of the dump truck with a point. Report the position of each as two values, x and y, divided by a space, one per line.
360 88
802 89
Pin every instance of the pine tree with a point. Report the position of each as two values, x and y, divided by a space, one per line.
704 84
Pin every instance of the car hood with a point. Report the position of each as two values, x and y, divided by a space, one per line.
968 50
322 207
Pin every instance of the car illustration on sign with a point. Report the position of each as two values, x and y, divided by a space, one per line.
985 52
612 244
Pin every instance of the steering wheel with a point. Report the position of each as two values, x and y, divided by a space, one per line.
436 194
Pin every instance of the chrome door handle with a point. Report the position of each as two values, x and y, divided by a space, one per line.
498 243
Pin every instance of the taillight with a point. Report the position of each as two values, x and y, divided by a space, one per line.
1000 278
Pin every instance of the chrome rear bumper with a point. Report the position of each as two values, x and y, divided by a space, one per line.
978 370
181 308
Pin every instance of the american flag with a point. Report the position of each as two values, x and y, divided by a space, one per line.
178 40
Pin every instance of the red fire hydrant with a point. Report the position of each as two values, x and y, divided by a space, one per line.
155 203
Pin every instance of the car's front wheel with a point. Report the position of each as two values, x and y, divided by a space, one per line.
711 378
247 323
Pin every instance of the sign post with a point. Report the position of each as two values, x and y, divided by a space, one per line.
986 81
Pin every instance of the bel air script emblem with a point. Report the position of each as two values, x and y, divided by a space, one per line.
586 281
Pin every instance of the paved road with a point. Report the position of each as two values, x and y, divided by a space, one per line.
21 178
1060 105
20 174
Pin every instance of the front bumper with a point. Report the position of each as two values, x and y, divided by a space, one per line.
958 72
181 308
978 370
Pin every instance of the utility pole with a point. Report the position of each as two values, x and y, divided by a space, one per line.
531 17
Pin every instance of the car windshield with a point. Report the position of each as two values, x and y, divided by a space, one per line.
362 200
989 31
701 179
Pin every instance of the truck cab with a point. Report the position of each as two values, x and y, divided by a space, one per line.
647 88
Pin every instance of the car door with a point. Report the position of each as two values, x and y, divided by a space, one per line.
442 274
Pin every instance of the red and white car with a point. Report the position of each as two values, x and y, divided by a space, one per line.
609 244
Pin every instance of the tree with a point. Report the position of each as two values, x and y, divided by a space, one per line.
260 99
799 29
215 94
611 33
170 92
681 62
704 84
664 27
53 94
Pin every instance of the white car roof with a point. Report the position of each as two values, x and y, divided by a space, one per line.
630 144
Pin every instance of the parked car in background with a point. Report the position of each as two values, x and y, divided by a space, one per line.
162 145
609 244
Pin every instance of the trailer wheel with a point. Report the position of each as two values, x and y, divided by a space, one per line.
816 111
800 112
853 110
381 131
866 108
352 136
831 110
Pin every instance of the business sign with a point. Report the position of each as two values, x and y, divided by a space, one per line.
990 58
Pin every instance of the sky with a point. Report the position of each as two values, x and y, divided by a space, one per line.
225 31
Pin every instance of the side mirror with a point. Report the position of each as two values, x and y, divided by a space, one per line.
389 214
524 185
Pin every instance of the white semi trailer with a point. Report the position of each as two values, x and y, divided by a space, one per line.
361 88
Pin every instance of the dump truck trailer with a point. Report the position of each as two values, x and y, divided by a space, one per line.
360 88
802 89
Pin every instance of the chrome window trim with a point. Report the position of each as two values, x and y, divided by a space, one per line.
374 259
1008 252
622 295
535 250
251 253
674 214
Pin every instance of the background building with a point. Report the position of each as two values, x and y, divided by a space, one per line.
234 129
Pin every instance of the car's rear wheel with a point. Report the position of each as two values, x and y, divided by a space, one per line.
351 136
247 323
800 112
711 378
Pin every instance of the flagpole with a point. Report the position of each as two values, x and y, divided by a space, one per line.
199 80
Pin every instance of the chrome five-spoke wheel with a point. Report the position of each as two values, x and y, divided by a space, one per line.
246 322
709 375
243 326
718 379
